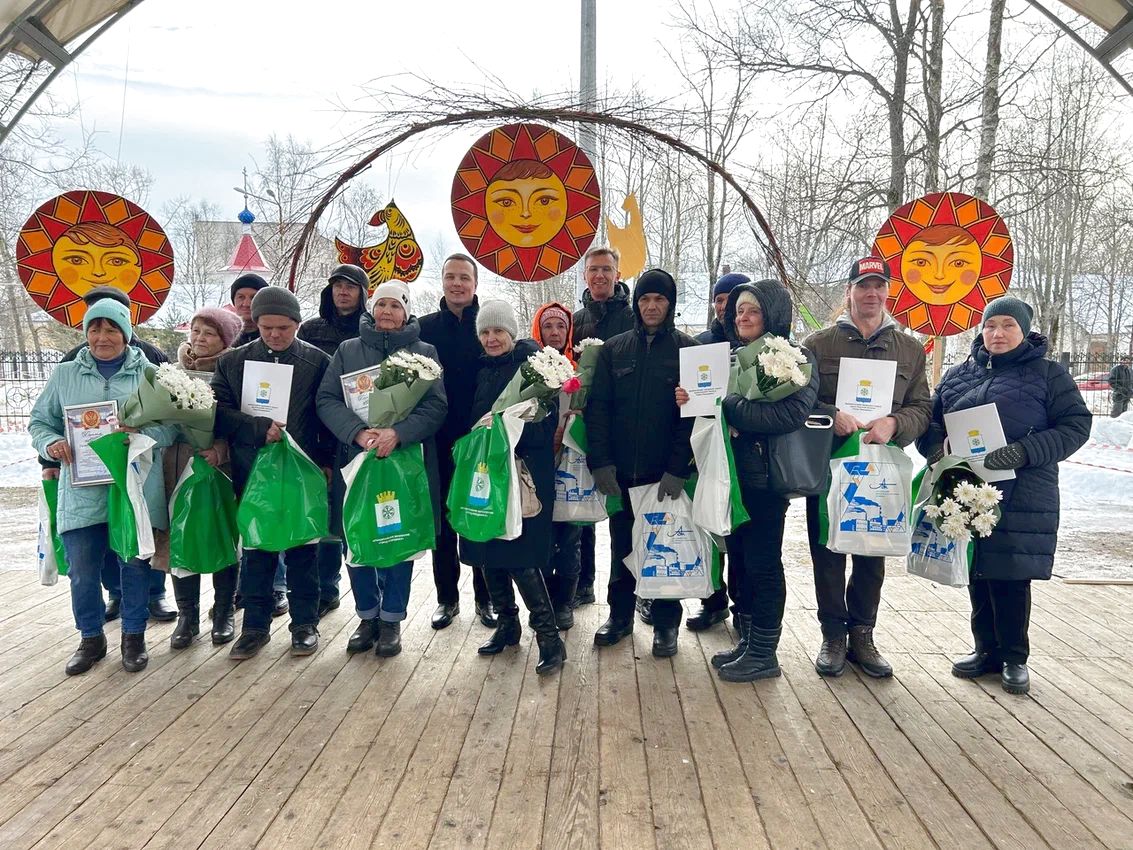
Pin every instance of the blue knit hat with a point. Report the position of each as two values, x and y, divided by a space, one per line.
112 310
1008 305
729 282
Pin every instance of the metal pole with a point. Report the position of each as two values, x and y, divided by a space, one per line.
587 98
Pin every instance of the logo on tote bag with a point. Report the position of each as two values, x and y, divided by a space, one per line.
389 513
481 488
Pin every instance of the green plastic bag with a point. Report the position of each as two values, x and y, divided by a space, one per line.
478 496
50 531
128 458
387 515
202 520
285 500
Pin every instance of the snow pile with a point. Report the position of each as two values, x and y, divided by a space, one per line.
18 464
1114 432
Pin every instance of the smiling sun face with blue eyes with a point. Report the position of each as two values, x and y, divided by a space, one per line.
526 204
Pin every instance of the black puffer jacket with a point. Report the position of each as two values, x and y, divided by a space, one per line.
459 350
715 333
604 319
632 419
247 434
756 420
329 330
536 449
1041 408
250 335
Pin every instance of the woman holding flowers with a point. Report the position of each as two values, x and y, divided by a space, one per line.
381 595
212 332
1045 421
109 368
520 560
760 314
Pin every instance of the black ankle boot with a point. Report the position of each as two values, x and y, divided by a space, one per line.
134 655
552 652
730 655
223 623
507 613
91 649
188 627
759 660
389 639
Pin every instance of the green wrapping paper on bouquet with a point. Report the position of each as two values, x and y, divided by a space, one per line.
168 396
203 535
285 500
387 515
769 369
403 380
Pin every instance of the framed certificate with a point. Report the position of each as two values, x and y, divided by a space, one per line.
85 423
356 389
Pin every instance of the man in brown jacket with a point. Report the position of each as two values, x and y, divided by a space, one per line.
864 330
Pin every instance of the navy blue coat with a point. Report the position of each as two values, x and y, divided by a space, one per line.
1040 408
536 449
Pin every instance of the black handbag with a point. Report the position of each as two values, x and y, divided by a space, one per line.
798 463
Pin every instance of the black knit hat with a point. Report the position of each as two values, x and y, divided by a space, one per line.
100 292
246 281
658 282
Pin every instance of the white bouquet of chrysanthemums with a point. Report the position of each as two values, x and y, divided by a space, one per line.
971 508
543 376
403 380
167 395
587 351
769 369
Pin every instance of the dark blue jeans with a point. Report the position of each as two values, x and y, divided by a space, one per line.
87 552
112 579
302 587
381 593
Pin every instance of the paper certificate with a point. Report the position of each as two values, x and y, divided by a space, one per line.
266 390
85 423
865 387
973 434
704 376
356 388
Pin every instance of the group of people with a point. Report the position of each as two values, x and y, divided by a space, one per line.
636 437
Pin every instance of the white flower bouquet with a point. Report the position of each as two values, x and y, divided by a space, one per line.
769 369
543 376
167 395
963 505
403 380
587 360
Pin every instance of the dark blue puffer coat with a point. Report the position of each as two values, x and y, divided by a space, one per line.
1041 408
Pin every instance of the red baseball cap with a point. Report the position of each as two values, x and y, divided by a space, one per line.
868 267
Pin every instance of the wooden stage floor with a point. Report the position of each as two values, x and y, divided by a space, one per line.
441 748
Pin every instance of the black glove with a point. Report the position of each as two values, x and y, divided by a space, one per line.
935 455
670 487
606 479
1011 456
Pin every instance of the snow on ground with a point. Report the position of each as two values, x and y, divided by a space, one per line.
18 466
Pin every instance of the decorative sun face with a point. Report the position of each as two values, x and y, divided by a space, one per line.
948 255
525 202
80 240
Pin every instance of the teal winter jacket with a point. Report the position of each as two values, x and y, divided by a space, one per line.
79 382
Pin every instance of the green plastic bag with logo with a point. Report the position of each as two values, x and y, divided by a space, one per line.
285 500
478 496
387 515
128 459
202 521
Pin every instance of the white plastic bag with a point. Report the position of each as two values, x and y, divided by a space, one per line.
671 558
711 501
577 498
937 557
514 418
140 460
45 551
869 503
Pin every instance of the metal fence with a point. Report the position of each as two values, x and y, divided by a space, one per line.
22 376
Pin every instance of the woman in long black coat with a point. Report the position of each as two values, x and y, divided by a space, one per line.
521 560
1045 421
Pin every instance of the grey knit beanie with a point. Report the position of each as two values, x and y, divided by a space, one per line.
1008 305
275 301
497 314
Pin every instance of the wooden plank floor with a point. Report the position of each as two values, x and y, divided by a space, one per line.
439 747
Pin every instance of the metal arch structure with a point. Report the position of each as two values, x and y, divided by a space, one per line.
1114 17
39 39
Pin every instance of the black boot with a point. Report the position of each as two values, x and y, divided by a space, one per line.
91 649
507 613
865 655
389 639
188 627
977 664
1016 679
665 641
223 622
759 660
562 600
708 615
730 655
552 652
134 655
248 644
304 639
831 660
363 638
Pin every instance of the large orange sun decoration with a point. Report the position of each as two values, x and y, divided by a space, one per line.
83 239
525 202
948 255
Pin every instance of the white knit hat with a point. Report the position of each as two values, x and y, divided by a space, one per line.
391 289
497 314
